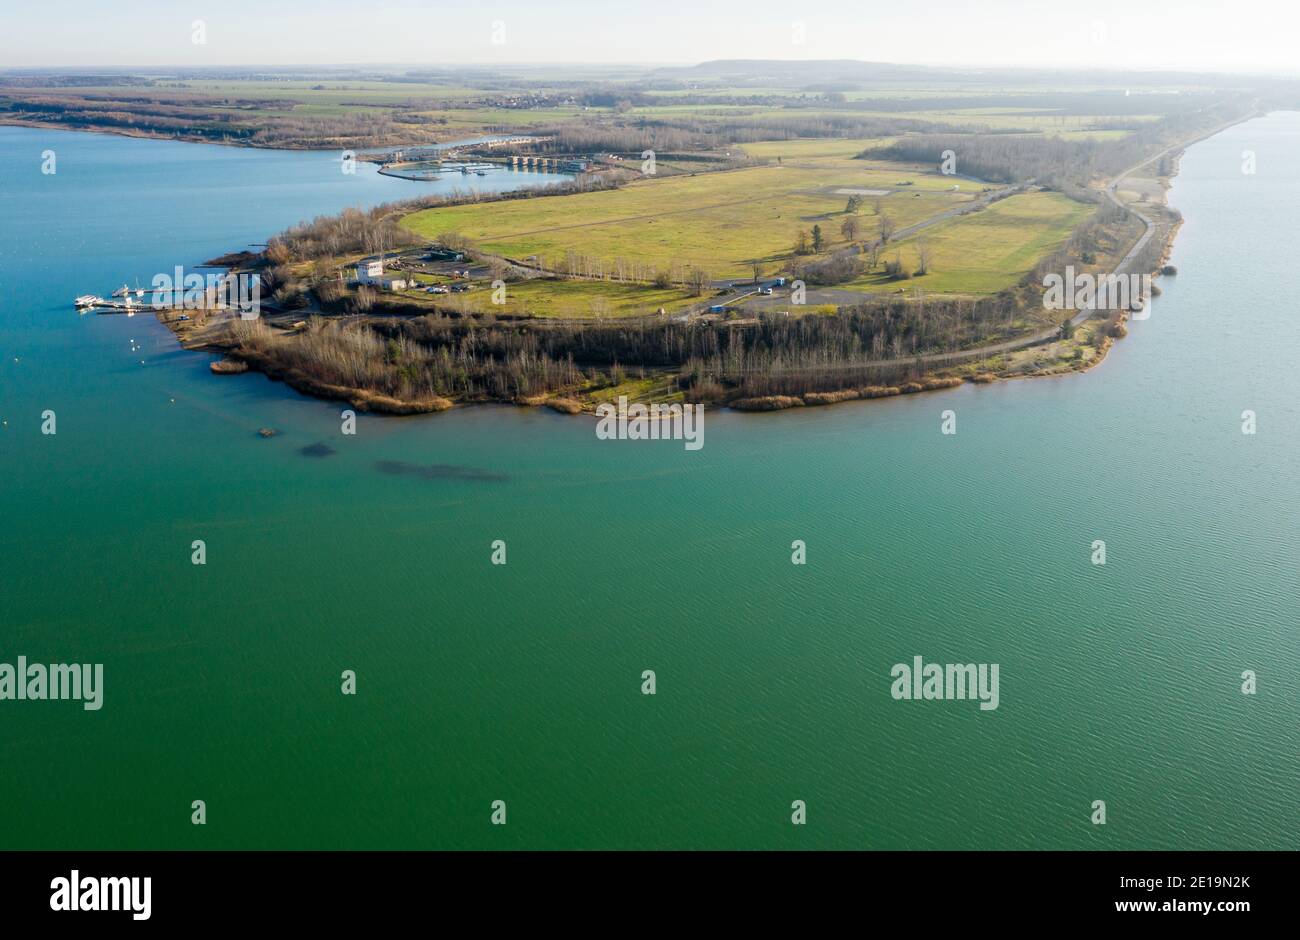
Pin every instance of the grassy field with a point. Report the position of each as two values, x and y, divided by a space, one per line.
810 147
987 250
715 221
1019 119
546 297
1027 120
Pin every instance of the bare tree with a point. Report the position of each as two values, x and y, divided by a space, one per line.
887 228
277 252
850 229
363 300
698 280
923 257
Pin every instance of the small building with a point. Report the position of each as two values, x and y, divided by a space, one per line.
372 273
369 271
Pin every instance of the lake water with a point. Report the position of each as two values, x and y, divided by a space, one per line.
522 682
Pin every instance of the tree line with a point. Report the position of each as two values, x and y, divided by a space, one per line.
1068 164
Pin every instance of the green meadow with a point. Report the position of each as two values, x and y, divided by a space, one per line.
553 298
718 221
985 251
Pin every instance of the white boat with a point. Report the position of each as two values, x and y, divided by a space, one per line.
88 300
122 291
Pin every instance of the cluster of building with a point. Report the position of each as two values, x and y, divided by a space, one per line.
371 273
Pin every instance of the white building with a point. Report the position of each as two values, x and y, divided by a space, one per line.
369 271
372 273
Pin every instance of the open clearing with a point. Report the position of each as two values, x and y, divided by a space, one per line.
548 297
718 221
808 147
985 251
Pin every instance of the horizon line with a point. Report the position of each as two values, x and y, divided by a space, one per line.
485 66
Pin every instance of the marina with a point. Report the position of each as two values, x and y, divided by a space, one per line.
88 303
158 299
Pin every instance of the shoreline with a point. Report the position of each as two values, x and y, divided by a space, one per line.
1176 154
139 134
236 361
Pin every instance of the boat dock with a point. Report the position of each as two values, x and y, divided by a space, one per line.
89 302
118 306
153 298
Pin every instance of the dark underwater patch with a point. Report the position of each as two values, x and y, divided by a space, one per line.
439 471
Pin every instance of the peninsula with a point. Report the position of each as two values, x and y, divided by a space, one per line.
699 245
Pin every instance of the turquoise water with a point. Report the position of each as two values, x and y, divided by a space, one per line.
522 682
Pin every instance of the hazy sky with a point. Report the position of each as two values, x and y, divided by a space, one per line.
1185 34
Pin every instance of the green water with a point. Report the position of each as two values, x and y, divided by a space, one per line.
523 682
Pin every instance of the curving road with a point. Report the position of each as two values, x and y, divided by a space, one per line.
1043 336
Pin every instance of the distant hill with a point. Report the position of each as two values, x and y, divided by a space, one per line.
829 74
798 71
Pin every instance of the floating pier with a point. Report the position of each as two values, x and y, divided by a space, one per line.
152 299
118 306
88 302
